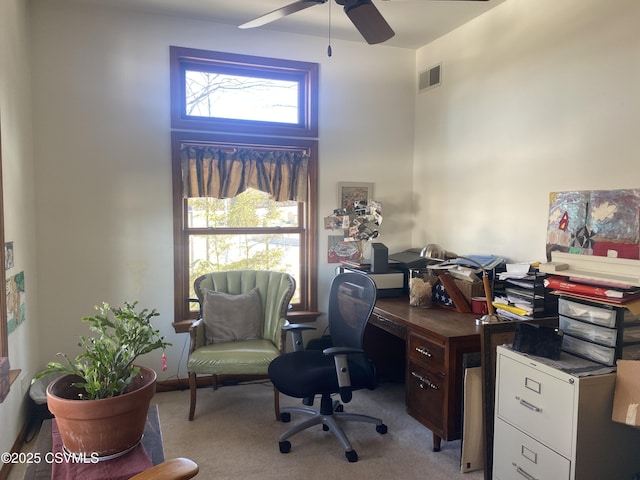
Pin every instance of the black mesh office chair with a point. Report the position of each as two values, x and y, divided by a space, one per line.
341 369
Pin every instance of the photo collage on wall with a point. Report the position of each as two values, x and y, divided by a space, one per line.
345 247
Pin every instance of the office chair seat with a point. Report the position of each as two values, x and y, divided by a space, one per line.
307 373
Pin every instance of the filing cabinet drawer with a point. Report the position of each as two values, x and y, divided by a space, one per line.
541 405
520 456
426 352
425 393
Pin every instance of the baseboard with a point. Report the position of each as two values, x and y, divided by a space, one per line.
171 385
203 381
17 446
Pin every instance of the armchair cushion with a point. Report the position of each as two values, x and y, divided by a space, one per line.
230 317
248 357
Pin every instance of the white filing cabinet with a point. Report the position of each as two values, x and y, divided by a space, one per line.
552 425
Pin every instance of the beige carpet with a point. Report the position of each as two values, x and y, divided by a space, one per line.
235 436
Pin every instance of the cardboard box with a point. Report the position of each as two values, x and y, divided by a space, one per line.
626 397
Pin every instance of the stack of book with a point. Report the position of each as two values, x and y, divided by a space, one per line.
609 292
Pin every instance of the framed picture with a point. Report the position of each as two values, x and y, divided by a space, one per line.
340 249
350 192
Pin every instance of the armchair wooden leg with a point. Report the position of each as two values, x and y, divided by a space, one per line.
193 387
276 402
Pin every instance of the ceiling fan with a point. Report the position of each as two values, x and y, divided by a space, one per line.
362 13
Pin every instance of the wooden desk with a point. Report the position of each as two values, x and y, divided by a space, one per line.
435 340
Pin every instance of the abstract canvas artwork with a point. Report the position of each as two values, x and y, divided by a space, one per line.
15 301
595 222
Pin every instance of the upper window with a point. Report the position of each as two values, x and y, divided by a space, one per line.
225 92
239 97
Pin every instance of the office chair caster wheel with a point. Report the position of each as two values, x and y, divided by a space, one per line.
352 456
340 408
381 429
285 447
325 427
285 417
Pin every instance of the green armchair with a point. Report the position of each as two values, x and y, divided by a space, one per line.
223 341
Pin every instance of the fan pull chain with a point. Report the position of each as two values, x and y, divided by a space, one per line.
329 50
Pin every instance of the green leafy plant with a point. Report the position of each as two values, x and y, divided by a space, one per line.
106 363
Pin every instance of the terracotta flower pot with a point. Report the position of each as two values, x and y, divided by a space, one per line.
105 427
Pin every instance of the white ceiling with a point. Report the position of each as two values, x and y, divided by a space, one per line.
416 22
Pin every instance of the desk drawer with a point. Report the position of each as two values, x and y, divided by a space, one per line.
516 455
539 404
425 393
426 352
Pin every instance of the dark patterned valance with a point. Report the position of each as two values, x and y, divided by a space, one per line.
224 173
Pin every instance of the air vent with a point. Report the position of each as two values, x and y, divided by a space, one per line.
429 78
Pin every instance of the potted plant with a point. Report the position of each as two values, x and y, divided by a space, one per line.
103 385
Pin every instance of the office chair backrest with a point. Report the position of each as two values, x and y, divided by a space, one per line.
351 301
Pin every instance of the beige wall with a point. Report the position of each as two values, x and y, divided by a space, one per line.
19 219
536 96
102 147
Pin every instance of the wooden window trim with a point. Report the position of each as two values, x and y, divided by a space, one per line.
252 133
4 334
306 73
309 273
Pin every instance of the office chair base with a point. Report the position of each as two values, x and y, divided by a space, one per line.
329 423
285 447
285 413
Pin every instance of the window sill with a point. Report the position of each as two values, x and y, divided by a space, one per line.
182 326
299 316
13 376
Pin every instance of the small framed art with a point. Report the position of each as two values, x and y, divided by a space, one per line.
350 192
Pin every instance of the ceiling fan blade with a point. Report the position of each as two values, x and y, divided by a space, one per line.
281 12
368 20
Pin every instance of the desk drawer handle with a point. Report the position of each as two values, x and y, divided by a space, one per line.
385 321
525 474
528 405
424 382
423 351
